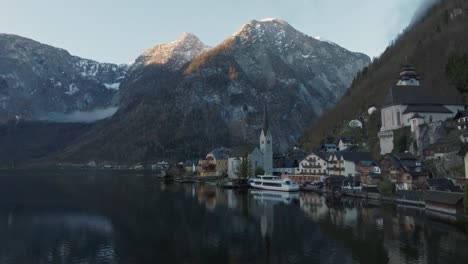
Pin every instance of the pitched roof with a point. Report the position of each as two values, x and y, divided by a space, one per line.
323 155
355 156
350 140
427 109
220 153
450 198
416 116
439 182
461 114
405 156
417 95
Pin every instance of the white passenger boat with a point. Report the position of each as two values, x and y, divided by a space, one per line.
273 183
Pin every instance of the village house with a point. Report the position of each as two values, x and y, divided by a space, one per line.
314 167
440 150
346 143
461 119
405 171
316 163
344 163
369 173
442 184
191 166
215 164
444 202
409 104
329 147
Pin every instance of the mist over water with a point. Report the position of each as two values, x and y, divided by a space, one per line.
80 116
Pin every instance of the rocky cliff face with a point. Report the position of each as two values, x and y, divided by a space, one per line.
217 98
173 54
37 79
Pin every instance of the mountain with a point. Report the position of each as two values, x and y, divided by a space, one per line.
174 110
37 79
173 54
427 44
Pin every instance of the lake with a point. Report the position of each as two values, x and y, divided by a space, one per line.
128 217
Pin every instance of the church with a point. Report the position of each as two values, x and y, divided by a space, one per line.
259 157
410 104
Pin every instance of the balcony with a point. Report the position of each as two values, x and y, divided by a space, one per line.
312 166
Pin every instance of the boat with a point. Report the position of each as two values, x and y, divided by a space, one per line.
273 183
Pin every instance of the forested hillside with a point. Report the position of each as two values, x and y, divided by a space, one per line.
437 46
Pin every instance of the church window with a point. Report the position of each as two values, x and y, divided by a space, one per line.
268 141
398 118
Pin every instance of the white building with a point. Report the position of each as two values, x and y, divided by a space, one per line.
316 163
344 163
266 145
409 99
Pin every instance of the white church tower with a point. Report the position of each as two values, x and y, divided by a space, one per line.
266 145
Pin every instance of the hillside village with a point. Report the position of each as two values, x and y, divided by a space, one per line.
421 148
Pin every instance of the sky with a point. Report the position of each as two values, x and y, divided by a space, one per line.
118 31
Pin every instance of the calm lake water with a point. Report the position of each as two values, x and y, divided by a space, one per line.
118 217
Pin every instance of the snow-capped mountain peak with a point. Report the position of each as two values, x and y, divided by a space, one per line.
174 54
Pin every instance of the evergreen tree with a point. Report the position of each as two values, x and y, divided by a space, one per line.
259 171
243 172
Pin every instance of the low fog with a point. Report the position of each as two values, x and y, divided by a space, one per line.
80 116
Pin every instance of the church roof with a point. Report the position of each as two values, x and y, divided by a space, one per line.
419 95
416 116
461 114
427 109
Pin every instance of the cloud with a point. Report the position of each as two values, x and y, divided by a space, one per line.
80 116
422 10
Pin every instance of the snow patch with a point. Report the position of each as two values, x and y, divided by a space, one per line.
112 86
72 89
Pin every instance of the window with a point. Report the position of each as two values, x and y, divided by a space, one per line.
272 184
398 118
268 141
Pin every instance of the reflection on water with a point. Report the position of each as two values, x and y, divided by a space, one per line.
55 236
112 217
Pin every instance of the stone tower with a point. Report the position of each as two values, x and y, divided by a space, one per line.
266 145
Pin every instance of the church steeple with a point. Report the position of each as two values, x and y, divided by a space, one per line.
265 120
266 144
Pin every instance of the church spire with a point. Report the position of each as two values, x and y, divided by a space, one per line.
265 120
